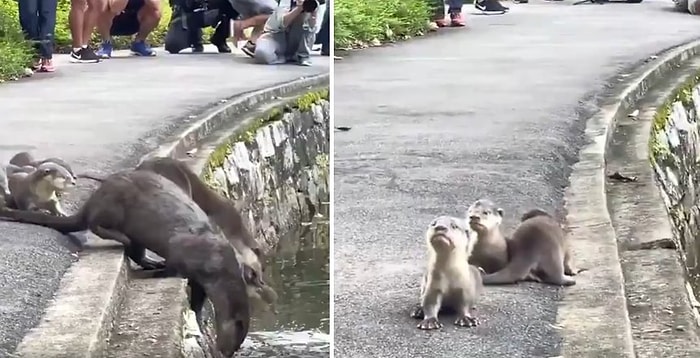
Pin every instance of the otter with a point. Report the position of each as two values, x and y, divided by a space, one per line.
222 212
537 248
36 190
143 210
449 281
24 159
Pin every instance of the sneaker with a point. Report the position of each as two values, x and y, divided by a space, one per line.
36 64
490 6
442 22
105 49
140 48
84 55
47 66
249 49
304 61
456 20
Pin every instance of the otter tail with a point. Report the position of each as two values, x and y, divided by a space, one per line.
90 176
63 224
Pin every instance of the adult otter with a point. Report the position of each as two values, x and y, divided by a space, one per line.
144 210
449 282
221 211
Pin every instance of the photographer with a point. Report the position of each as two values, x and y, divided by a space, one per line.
188 19
289 33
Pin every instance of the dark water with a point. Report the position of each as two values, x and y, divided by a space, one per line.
300 275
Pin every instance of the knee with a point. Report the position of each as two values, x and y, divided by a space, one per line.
78 5
99 6
265 55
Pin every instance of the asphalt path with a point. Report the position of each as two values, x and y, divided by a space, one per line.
497 111
101 118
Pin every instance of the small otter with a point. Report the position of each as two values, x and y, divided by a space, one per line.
143 210
36 190
23 159
537 248
490 251
449 282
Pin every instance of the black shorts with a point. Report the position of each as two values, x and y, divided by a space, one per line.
127 23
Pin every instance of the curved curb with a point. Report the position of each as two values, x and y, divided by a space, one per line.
79 320
593 315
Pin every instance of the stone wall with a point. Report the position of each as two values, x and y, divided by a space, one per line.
675 154
276 169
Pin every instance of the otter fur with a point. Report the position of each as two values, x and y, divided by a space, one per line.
222 212
37 189
144 210
449 281
537 248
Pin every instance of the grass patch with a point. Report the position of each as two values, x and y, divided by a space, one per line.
360 22
15 51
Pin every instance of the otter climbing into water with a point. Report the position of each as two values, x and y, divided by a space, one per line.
449 281
144 210
222 212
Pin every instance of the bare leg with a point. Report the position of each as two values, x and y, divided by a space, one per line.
76 18
149 17
94 10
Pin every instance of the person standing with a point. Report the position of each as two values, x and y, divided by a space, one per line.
454 12
82 20
38 21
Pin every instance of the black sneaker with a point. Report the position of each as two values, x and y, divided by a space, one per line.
490 6
220 44
84 55
197 48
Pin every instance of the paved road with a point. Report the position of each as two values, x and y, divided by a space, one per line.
493 111
101 117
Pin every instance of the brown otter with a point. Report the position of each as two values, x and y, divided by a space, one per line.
144 210
36 189
222 212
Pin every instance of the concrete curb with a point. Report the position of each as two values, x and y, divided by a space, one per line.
79 320
593 315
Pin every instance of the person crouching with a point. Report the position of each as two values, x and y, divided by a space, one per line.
289 33
128 18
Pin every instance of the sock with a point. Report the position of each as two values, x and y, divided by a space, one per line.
76 49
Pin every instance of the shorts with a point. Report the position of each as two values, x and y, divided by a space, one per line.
127 23
250 8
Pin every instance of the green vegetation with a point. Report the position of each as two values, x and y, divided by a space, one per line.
360 22
247 134
681 94
16 53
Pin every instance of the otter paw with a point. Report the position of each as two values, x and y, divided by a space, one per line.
466 321
417 313
429 324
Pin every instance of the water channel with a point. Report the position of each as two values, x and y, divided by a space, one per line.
300 275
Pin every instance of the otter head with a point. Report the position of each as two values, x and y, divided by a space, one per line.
533 213
446 233
483 216
56 175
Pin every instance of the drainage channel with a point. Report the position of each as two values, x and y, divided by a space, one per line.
300 275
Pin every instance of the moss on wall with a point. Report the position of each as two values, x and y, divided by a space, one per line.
247 134
683 94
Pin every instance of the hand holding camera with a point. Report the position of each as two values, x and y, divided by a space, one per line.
310 5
